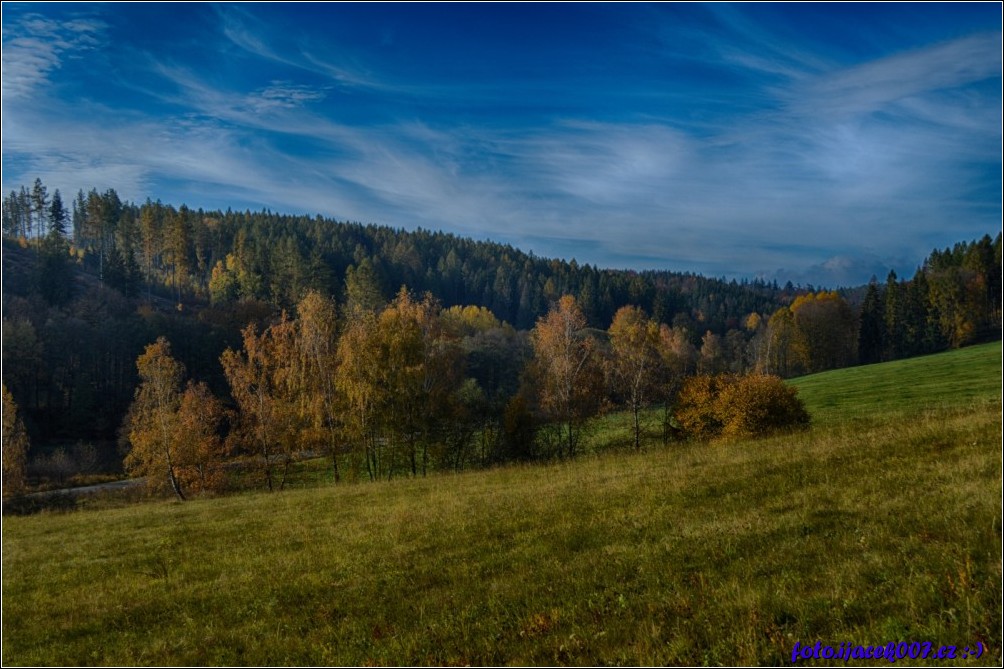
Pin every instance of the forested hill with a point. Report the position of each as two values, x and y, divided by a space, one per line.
88 283
228 256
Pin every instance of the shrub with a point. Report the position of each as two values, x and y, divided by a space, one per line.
733 406
697 405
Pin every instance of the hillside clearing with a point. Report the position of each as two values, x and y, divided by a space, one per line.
863 529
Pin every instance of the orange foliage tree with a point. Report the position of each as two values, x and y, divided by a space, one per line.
732 406
264 383
201 449
174 436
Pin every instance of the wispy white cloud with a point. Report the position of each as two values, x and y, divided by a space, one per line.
284 95
875 85
35 46
247 32
829 165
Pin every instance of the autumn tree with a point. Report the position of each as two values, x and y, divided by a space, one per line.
264 383
360 387
712 355
420 372
677 360
781 357
635 360
316 345
200 447
15 447
567 366
826 331
756 326
494 355
152 423
734 406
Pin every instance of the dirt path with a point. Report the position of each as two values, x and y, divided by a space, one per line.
89 489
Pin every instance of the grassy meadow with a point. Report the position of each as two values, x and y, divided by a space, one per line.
882 523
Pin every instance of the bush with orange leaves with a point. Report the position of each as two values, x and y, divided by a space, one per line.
733 406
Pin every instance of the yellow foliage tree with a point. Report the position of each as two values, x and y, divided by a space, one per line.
360 388
152 422
316 345
635 361
15 448
420 365
568 369
728 405
826 331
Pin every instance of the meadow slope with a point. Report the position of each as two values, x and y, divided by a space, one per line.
882 523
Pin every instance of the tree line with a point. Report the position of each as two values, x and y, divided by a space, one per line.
196 256
87 289
411 387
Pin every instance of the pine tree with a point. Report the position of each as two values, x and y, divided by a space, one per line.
57 216
362 289
79 219
54 273
872 329
893 314
150 232
40 207
25 207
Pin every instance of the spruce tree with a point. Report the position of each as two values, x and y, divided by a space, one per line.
39 206
57 216
893 317
871 333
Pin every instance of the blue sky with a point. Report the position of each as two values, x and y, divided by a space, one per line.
817 142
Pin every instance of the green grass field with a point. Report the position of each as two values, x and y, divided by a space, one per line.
895 390
882 523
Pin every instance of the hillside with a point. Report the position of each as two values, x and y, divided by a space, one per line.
872 527
81 304
898 388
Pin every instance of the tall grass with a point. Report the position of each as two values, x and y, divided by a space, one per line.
863 530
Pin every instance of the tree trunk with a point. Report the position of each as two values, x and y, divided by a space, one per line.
174 481
334 464
637 427
286 460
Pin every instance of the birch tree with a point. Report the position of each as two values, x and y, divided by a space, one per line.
566 363
635 361
153 418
